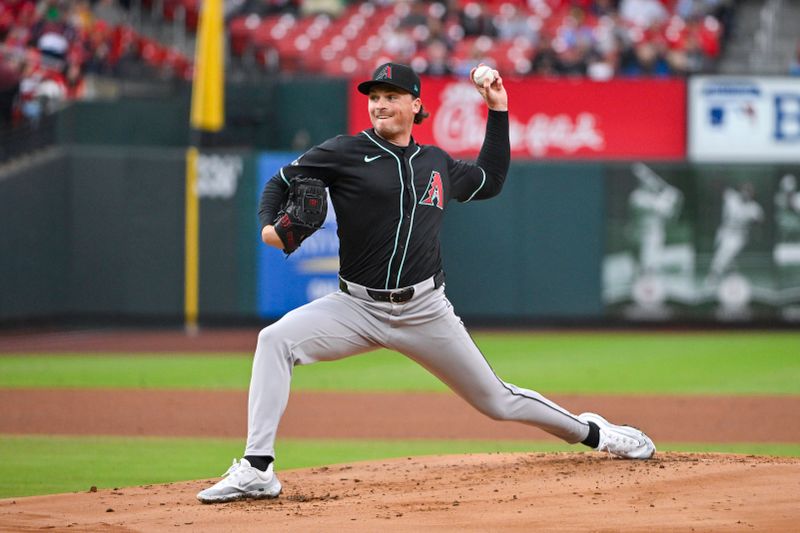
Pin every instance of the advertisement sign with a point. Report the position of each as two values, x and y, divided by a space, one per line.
555 118
284 283
710 242
744 119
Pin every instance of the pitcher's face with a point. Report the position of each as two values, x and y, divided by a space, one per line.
392 111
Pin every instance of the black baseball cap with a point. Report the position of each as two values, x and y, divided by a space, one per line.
394 74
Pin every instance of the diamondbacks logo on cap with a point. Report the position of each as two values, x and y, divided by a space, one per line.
394 74
385 73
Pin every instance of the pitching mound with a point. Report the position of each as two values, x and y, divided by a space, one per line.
514 492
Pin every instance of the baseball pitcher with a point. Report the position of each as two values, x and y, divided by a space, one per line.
390 195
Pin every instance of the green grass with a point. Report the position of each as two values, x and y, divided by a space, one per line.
34 465
579 363
146 371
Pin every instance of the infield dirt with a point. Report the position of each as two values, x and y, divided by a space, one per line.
320 415
496 492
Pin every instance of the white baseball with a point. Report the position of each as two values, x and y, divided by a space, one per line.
482 74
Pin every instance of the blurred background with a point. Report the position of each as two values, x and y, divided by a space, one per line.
656 156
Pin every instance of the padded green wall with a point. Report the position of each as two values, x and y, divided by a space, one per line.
126 224
534 251
35 241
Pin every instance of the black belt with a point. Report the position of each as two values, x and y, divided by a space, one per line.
395 296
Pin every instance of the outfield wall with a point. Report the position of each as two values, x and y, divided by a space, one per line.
96 233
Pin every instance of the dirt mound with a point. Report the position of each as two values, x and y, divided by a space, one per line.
512 492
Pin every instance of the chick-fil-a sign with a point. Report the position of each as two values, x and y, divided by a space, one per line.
556 118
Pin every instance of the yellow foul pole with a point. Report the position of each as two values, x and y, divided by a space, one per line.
192 247
207 115
208 87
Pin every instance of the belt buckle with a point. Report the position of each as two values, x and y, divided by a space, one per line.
401 296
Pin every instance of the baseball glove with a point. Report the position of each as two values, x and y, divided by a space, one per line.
302 213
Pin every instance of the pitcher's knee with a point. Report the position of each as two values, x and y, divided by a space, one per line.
266 336
281 331
272 343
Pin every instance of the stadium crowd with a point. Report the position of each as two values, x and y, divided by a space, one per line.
47 47
596 38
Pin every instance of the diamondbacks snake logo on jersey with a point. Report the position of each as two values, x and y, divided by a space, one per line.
434 194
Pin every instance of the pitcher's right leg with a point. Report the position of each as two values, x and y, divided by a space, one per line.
327 329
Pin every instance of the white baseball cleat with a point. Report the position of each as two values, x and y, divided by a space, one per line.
241 482
623 441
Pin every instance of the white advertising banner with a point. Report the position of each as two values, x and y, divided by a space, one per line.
746 119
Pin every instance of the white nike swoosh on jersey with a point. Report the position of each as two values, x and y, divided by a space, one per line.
368 159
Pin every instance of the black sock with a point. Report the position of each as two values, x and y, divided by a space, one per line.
593 439
260 462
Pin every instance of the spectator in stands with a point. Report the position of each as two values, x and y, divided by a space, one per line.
721 10
6 20
400 44
794 66
417 15
687 9
20 32
80 15
50 10
30 105
610 37
689 57
9 88
571 58
74 83
601 67
573 44
648 59
110 12
17 39
545 59
603 8
436 25
643 13
475 21
98 48
438 62
478 53
52 25
53 43
415 20
512 23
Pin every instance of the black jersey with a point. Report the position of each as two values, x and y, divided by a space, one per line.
389 200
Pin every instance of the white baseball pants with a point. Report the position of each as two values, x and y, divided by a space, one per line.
425 329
